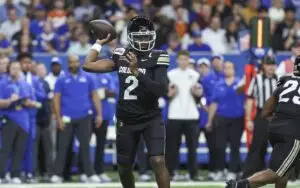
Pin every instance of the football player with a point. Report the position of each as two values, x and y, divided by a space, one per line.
283 108
142 75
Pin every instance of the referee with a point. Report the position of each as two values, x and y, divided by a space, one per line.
260 89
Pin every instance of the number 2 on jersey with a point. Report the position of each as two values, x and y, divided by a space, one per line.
133 84
290 86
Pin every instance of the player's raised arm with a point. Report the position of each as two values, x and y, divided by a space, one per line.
91 63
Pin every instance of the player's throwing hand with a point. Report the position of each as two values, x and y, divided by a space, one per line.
103 41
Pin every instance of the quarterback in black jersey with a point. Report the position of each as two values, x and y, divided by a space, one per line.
283 108
142 75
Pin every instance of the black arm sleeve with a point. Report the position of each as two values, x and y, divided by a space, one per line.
159 85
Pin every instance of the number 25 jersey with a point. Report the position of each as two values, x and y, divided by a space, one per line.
288 94
137 104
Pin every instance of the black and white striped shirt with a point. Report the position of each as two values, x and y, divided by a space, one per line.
261 88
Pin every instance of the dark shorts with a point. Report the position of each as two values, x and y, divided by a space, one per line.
285 153
128 138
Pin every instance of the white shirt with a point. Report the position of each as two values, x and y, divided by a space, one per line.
215 39
183 106
170 12
9 28
51 79
276 14
78 49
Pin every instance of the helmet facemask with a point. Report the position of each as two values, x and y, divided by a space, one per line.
142 41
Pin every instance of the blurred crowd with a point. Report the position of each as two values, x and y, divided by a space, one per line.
62 26
28 89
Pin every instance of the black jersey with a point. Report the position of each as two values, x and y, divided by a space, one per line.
138 97
288 94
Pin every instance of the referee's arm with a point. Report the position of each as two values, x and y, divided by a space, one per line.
249 103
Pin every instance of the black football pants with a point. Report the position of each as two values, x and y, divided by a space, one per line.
43 149
13 139
228 130
82 129
255 160
174 131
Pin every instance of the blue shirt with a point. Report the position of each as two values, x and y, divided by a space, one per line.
166 46
106 81
4 43
202 48
18 113
36 27
208 83
75 93
230 103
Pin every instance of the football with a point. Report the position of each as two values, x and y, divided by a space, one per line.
101 28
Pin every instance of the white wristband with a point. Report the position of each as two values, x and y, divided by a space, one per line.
97 47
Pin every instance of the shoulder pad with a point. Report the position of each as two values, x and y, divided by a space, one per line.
119 51
163 58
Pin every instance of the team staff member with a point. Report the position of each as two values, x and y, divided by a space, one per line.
226 114
14 104
74 97
107 92
43 135
260 89
183 115
208 81
39 94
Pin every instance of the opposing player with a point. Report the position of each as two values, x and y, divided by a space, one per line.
142 75
284 133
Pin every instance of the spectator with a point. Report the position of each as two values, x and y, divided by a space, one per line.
236 16
64 33
149 9
250 10
181 26
86 11
24 40
226 114
48 41
261 87
58 15
5 46
170 10
286 66
130 13
3 69
14 106
276 12
198 45
232 37
13 24
114 11
82 47
4 9
294 35
183 114
44 145
214 36
173 44
283 29
222 10
71 90
38 22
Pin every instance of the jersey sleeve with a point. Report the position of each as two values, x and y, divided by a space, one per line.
163 59
282 80
277 91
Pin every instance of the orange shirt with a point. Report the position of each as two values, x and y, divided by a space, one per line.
181 28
